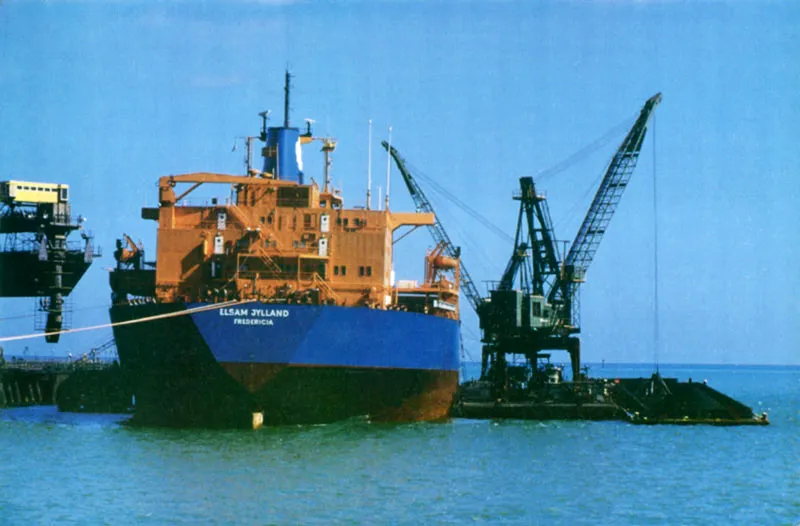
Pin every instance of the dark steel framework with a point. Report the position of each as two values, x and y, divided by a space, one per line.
557 280
536 272
36 259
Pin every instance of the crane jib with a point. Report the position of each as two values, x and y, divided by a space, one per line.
602 209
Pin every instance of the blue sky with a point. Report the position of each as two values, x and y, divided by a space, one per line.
108 96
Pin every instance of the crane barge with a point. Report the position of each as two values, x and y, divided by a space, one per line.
534 308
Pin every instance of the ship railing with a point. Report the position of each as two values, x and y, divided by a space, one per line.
203 202
279 274
55 363
29 244
267 274
446 288
312 278
301 249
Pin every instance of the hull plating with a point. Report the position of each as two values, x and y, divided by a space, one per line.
296 364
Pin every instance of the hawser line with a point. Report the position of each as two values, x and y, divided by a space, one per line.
129 322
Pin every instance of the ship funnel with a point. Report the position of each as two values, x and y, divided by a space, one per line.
283 153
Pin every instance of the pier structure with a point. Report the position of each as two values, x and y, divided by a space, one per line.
36 259
92 382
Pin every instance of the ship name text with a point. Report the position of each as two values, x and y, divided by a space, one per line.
255 313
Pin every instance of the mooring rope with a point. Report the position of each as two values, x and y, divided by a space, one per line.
127 322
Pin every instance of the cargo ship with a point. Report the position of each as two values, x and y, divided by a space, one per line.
275 304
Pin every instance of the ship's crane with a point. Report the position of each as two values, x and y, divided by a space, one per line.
436 229
131 255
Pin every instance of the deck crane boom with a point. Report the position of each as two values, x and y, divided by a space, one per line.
436 229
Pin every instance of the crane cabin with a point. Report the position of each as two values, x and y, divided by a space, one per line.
12 192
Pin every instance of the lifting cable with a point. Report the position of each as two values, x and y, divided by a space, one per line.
656 320
463 206
541 176
580 203
128 322
454 226
482 258
578 156
586 150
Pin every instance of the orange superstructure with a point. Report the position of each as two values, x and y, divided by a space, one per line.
282 241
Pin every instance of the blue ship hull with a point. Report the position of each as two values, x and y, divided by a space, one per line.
293 363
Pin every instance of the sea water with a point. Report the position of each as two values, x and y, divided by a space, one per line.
62 468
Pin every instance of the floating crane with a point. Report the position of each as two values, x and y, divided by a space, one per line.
542 313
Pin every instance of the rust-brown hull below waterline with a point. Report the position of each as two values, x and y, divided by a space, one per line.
292 395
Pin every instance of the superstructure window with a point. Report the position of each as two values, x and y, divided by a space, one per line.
369 271
344 270
293 197
361 271
336 270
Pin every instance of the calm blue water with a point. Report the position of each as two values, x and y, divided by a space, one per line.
87 469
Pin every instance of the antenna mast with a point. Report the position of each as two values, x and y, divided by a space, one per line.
248 160
369 167
286 101
328 146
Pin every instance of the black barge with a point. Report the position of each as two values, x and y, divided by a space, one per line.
645 401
